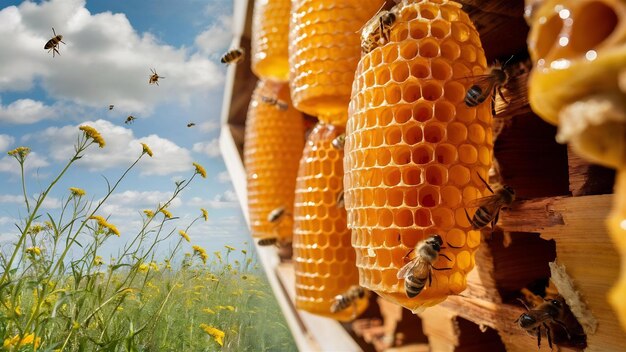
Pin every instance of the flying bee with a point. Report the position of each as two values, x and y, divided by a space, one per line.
191 124
233 56
489 207
154 77
339 141
270 241
340 202
376 31
544 315
130 119
53 44
111 107
279 104
419 269
484 85
347 299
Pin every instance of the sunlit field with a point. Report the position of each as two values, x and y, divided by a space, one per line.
58 293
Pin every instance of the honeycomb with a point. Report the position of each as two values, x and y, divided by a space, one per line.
323 53
617 227
324 260
270 30
414 150
272 149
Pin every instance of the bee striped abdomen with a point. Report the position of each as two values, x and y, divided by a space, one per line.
474 96
268 241
481 218
232 56
341 303
414 285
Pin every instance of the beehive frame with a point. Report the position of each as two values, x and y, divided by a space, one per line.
565 202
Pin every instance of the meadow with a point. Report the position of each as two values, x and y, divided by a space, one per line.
57 293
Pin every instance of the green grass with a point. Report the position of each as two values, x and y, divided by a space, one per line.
53 299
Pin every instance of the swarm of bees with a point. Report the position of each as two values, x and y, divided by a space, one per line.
154 77
376 31
53 44
233 56
279 104
419 269
489 207
347 299
130 119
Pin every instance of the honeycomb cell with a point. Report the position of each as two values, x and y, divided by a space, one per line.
273 146
324 49
446 140
270 28
320 229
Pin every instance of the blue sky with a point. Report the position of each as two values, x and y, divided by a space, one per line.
111 46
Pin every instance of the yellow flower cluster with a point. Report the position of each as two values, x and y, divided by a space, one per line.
78 192
146 149
20 152
149 213
166 213
33 250
205 214
230 248
102 222
208 310
230 308
92 133
200 170
35 229
184 235
201 252
17 342
217 334
97 261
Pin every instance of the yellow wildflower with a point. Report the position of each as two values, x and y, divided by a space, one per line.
33 250
154 266
48 225
230 248
92 133
146 149
143 268
244 251
230 308
200 170
19 152
35 229
98 218
201 252
75 325
166 213
97 261
18 342
78 192
149 213
218 255
205 214
208 310
184 235
218 335
112 229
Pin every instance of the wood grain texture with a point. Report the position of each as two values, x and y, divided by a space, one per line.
586 178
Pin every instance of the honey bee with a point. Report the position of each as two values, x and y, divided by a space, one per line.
419 269
53 44
270 241
347 299
130 119
489 207
191 124
154 77
544 315
376 31
339 141
341 203
279 104
277 214
233 56
111 107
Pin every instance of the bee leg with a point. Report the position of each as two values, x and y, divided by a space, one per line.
539 337
407 255
495 220
451 246
485 182
562 324
430 278
468 218
445 256
549 334
524 304
502 95
440 269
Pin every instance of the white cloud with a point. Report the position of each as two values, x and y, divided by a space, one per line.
25 111
122 148
228 199
216 39
33 161
131 203
48 203
223 177
210 148
209 126
89 70
5 142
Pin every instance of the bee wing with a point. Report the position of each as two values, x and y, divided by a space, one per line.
410 267
485 82
488 202
370 21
